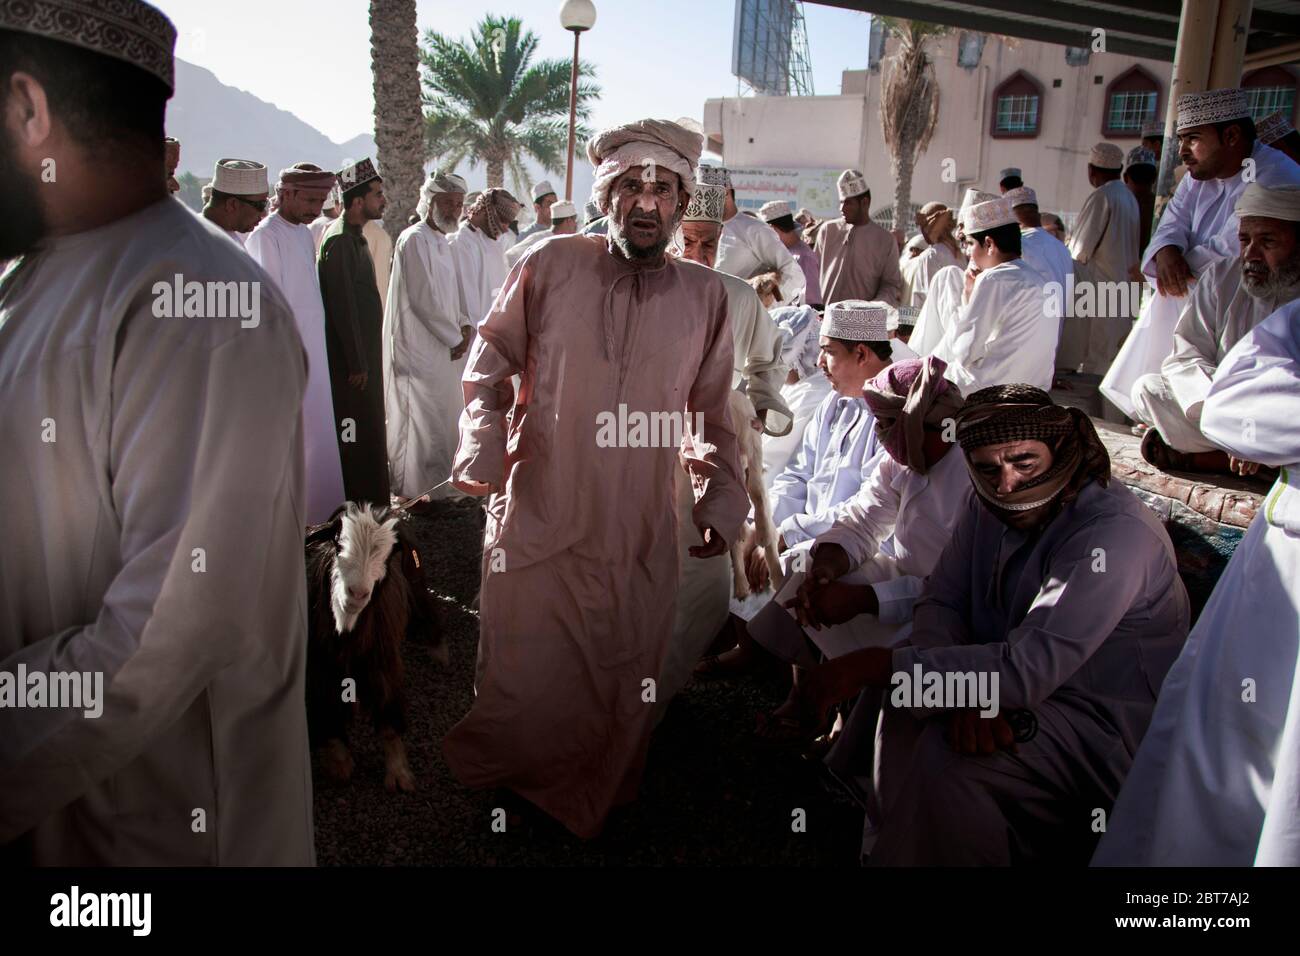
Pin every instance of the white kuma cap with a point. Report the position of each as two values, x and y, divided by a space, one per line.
240 177
857 321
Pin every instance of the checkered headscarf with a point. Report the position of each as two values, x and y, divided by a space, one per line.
490 202
1007 413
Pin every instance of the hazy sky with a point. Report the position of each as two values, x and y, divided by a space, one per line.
652 57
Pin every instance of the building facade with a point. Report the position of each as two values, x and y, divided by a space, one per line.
1002 102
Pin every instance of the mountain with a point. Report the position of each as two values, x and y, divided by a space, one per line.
214 121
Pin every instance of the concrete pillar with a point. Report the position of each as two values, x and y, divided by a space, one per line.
1230 43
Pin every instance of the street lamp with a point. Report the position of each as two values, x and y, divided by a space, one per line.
575 15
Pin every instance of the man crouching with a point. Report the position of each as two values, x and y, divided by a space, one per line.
1061 588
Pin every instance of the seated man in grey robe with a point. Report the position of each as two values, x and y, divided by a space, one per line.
1038 646
1232 297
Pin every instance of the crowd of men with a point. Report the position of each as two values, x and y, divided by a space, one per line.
986 634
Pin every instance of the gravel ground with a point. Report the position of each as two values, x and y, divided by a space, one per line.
711 794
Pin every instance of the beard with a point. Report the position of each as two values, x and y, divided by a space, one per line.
638 253
448 224
292 209
1280 283
20 205
632 251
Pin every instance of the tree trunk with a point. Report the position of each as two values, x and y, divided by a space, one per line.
908 112
399 115
496 173
904 163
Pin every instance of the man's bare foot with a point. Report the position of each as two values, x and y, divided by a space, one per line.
1155 451
736 662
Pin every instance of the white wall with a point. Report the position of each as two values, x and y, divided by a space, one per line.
797 131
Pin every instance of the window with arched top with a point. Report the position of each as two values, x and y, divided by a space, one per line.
1132 101
1017 107
1270 90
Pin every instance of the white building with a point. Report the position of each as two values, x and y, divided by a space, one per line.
1037 106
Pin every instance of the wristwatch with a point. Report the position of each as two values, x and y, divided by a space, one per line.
1024 725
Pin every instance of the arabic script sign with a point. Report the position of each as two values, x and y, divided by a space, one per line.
811 189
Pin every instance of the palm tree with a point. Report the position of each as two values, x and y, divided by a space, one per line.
909 106
395 62
487 102
191 191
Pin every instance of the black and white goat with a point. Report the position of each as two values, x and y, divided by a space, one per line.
366 595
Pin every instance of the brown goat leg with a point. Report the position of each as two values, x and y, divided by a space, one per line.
766 532
336 760
739 582
750 444
397 771
764 529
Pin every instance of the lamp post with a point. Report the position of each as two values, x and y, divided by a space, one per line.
575 15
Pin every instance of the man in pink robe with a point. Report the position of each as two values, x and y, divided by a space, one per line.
580 561
859 259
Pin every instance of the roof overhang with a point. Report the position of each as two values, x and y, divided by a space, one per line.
1146 28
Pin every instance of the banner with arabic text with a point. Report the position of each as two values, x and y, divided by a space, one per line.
811 189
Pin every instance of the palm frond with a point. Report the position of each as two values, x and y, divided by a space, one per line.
544 90
914 30
486 100
547 142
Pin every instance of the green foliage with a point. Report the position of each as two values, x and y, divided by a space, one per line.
486 101
191 191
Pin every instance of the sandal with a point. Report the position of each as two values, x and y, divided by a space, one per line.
798 733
